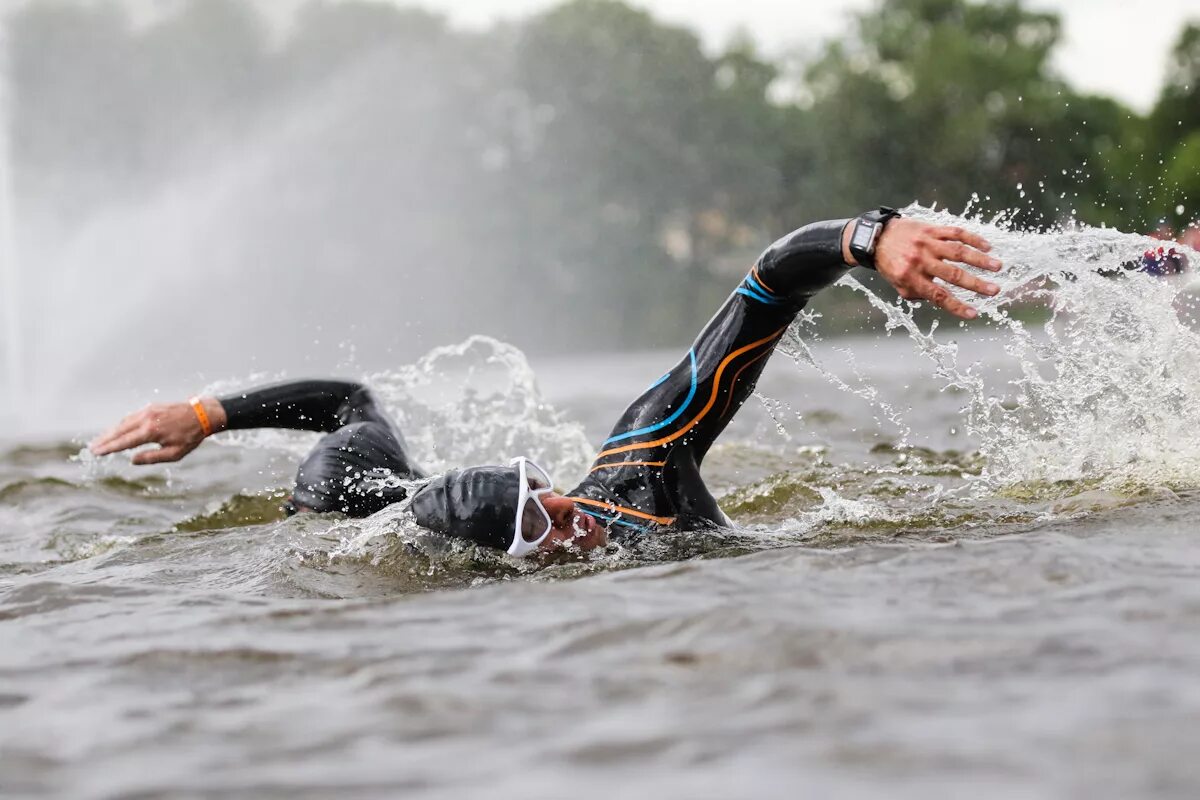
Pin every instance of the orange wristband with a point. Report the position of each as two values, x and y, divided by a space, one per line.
201 415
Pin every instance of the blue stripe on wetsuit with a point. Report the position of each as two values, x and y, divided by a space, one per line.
758 287
678 412
751 288
613 520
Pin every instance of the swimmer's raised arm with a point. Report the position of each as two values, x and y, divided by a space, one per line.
681 415
179 428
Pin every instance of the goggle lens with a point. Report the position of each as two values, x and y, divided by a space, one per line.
535 522
537 477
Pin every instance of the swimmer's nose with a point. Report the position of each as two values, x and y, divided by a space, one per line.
560 509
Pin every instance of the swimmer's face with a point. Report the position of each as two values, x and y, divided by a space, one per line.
572 528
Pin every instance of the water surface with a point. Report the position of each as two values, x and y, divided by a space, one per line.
876 627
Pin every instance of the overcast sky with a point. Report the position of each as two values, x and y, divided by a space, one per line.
1116 47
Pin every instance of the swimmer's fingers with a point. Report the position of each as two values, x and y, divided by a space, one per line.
912 256
126 441
953 233
129 432
965 254
941 297
958 276
161 455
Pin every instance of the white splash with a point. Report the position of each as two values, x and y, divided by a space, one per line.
1109 388
477 402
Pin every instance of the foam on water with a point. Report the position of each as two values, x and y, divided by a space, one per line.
477 402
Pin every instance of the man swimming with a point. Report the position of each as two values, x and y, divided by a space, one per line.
646 476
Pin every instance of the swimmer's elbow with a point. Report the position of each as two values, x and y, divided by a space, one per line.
805 261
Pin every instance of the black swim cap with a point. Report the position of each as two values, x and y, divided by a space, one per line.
479 503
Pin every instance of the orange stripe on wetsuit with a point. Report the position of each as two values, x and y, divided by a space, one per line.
757 277
631 464
622 510
736 377
724 411
703 413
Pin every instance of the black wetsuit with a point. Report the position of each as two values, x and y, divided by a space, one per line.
647 474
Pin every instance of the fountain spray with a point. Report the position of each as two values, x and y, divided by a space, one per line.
10 304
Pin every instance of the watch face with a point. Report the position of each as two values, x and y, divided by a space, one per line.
864 234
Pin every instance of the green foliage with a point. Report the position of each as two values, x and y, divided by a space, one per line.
942 100
666 154
1175 126
1179 104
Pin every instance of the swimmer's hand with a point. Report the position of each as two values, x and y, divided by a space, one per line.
174 427
911 254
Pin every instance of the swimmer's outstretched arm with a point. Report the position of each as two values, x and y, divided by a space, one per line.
179 428
683 413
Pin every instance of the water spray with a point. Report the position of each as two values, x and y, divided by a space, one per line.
1107 386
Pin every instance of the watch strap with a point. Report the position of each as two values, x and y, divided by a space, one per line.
867 229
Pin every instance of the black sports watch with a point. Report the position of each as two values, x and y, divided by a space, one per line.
867 229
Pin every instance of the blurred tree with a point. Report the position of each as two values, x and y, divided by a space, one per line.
940 100
327 36
202 81
1174 166
649 153
747 133
1179 104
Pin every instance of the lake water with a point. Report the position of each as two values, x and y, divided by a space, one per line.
885 622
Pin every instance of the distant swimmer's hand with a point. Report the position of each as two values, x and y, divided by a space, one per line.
911 254
177 429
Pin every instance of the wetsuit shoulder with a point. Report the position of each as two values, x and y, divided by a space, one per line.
350 470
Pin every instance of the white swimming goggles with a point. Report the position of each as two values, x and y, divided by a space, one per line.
533 523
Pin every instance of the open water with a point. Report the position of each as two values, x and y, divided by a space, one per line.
966 564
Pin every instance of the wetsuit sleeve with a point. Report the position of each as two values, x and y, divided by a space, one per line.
662 437
322 406
800 264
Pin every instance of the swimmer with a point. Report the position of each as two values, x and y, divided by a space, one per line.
1160 261
646 476
1163 261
